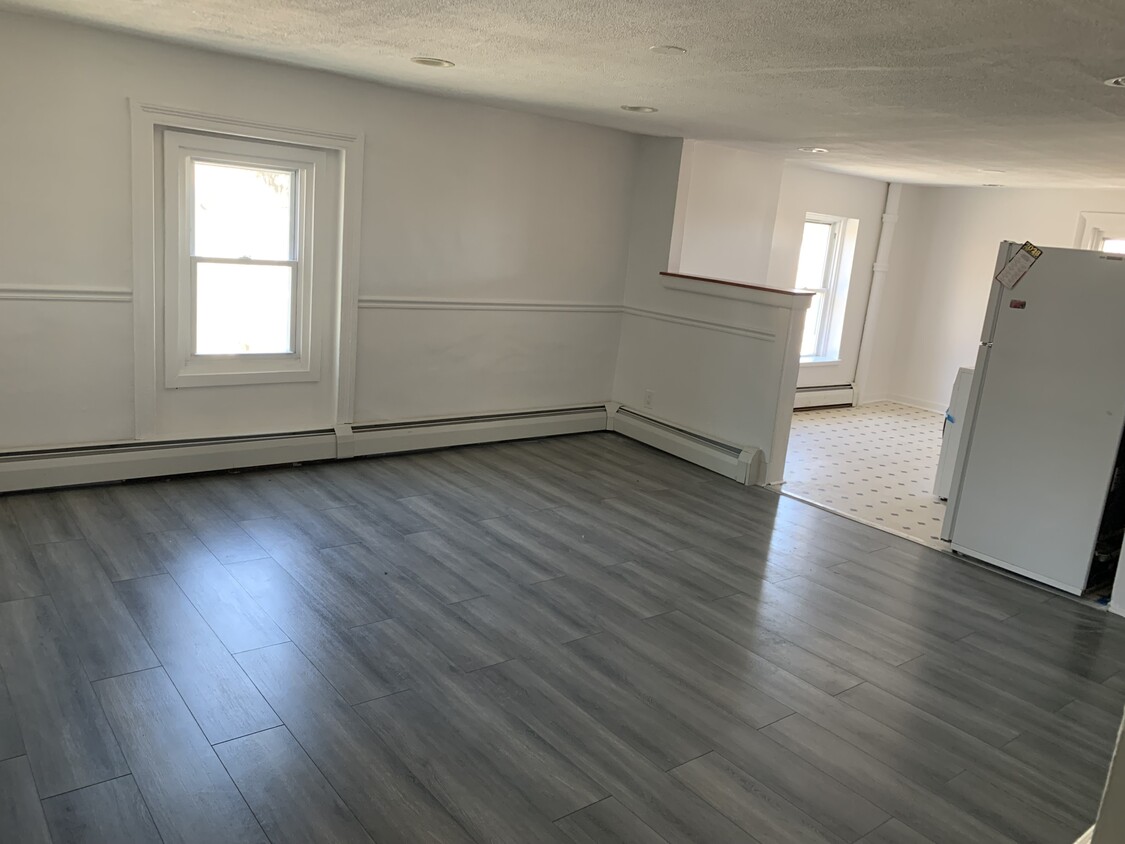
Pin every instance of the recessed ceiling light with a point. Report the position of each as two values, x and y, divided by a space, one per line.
668 49
1116 82
430 61
639 109
816 150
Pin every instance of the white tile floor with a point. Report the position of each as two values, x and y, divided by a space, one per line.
874 463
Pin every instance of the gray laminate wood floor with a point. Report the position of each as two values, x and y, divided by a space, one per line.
568 640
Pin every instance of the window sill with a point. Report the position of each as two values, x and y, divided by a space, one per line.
812 360
240 372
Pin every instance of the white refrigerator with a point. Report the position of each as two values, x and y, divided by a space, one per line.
1041 456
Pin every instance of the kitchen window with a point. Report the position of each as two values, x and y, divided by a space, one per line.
239 219
824 266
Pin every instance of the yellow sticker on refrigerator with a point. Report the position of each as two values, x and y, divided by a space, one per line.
1018 265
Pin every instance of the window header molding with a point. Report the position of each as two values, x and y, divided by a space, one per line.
185 119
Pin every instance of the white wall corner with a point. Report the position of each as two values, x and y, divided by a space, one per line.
790 346
611 408
877 294
872 399
683 186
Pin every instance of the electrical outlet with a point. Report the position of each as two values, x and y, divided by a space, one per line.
648 399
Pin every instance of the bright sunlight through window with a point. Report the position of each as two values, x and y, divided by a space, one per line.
814 268
244 257
1114 245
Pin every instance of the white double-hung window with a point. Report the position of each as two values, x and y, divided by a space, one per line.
238 292
823 266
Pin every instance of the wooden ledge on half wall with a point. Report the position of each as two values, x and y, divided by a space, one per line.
743 284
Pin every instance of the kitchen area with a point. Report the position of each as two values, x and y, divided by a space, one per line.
1024 470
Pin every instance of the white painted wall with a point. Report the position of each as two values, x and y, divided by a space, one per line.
805 190
894 321
461 204
508 261
729 199
941 267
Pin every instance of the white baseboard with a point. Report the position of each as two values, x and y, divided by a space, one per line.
743 465
921 404
826 397
102 463
443 433
866 399
43 469
118 462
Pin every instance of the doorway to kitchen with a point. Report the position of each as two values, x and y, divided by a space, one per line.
876 463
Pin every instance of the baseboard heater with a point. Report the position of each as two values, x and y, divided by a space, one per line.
102 463
839 396
743 464
124 461
391 437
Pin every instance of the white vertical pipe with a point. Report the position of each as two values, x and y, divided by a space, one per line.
878 286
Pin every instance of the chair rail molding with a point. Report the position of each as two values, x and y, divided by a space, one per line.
43 293
705 324
408 303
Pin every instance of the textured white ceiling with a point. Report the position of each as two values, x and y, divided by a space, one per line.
936 91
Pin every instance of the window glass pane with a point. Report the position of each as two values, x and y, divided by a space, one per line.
813 317
243 309
1116 245
813 259
812 270
242 212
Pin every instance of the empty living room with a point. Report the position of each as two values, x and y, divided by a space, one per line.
561 422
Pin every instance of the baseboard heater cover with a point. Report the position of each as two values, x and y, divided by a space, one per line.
92 464
745 465
839 396
421 435
46 468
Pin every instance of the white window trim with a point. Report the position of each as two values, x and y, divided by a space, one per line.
184 368
832 282
145 120
1096 227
